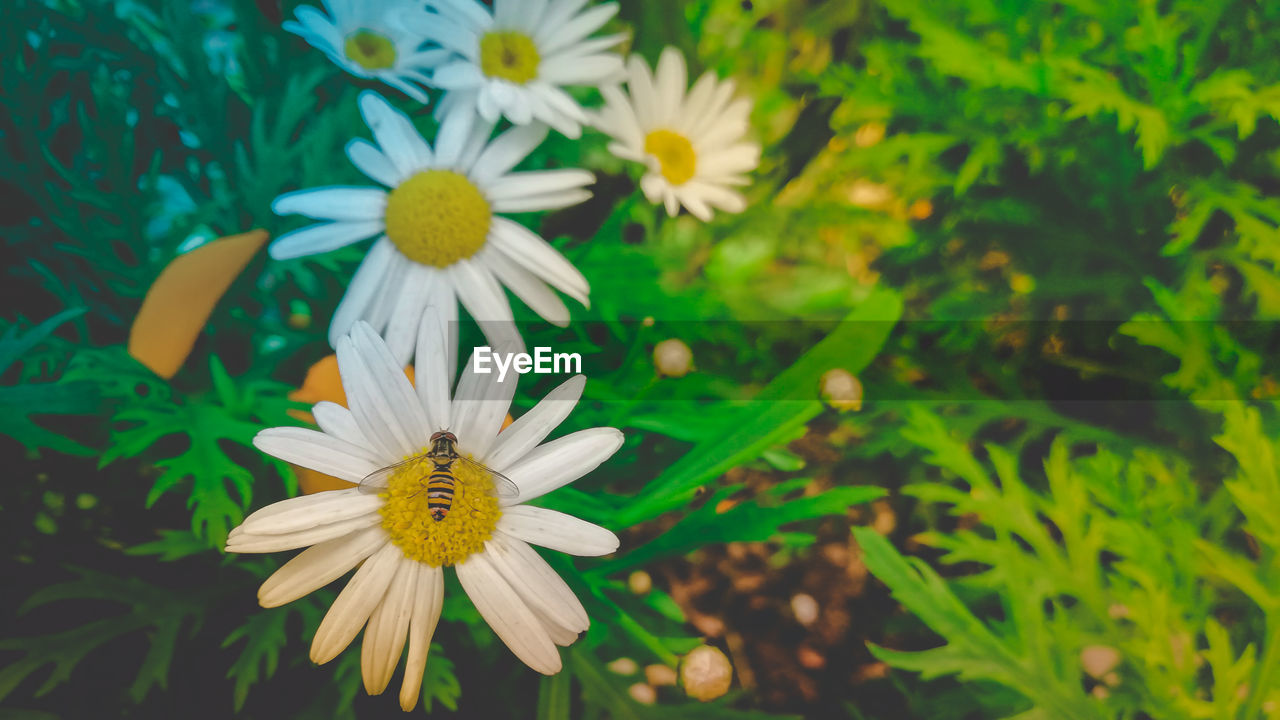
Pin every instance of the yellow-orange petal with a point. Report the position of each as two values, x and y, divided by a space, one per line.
310 481
179 302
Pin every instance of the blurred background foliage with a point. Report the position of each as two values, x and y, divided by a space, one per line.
1043 235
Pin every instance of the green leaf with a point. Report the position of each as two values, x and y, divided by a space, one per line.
61 397
172 545
782 407
14 345
439 684
748 521
554 701
160 611
972 650
264 635
204 462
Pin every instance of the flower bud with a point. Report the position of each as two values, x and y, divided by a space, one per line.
706 673
643 694
841 390
1099 660
672 358
805 608
658 675
623 666
640 582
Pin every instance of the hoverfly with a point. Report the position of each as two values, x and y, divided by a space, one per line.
440 481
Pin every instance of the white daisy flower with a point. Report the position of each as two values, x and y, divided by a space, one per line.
439 237
515 62
394 539
369 40
692 143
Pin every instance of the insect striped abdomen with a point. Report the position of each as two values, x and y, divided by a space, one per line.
440 492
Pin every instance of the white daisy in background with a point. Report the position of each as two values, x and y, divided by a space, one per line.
370 40
439 237
400 549
515 61
693 144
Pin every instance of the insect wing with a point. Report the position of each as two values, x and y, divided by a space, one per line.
376 481
502 485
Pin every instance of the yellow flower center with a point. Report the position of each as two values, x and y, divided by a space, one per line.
509 55
370 50
675 155
437 217
471 517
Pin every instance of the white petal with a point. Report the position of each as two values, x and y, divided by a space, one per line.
618 119
532 252
333 203
529 429
318 451
314 21
243 542
537 182
574 69
468 12
309 511
354 604
414 292
373 409
579 27
697 102
669 84
720 197
428 599
378 312
559 635
369 160
432 370
337 421
696 206
513 102
369 279
384 637
481 403
562 461
557 531
395 134
458 76
455 129
486 105
322 237
557 14
392 384
538 585
643 97
710 117
507 614
484 299
537 203
318 566
526 286
506 151
397 82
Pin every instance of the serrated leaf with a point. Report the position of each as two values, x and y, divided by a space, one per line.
439 684
264 635
160 610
